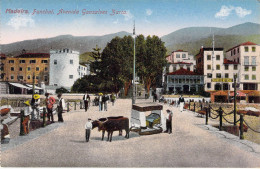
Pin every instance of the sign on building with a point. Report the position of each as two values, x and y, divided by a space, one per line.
221 80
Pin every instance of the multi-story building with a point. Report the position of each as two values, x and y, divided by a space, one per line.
24 67
84 69
64 65
180 59
247 55
2 63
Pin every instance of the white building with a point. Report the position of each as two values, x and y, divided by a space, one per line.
83 70
64 66
180 59
248 56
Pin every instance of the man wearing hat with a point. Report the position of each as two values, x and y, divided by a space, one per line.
26 117
88 128
61 104
35 106
181 102
169 121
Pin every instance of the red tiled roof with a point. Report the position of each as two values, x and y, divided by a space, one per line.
167 56
182 72
2 55
181 63
34 55
229 62
242 44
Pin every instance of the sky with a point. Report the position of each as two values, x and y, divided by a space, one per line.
152 17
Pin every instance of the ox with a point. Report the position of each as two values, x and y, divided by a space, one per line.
111 124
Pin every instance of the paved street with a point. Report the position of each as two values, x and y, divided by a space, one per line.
192 144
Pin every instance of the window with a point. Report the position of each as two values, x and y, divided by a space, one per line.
22 61
226 67
181 67
208 85
177 55
235 67
209 67
218 67
11 61
253 49
246 60
246 77
237 50
28 77
44 61
32 61
20 69
55 84
253 68
12 68
209 75
246 68
11 77
234 51
37 68
188 68
37 77
55 62
218 57
208 57
183 55
174 68
253 60
253 77
45 69
226 75
218 75
20 77
71 61
71 76
45 78
246 49
231 53
28 68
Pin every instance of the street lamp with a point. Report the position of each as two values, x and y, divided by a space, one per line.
133 98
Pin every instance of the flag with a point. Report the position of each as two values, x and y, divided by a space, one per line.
134 29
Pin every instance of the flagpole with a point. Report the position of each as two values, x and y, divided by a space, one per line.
133 98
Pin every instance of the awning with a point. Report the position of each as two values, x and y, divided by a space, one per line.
20 86
35 87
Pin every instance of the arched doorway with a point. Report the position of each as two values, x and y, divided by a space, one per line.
225 86
185 88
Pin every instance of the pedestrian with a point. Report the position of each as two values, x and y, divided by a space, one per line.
49 101
104 102
60 106
169 121
100 101
88 128
181 102
35 102
26 117
88 100
85 100
113 99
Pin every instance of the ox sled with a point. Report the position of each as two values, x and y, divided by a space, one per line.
111 124
154 123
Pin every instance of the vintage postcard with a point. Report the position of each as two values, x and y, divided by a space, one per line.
130 83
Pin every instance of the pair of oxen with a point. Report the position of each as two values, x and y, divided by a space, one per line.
111 124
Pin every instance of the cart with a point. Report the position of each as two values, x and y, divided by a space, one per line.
143 124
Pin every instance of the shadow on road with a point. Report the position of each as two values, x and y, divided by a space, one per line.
116 137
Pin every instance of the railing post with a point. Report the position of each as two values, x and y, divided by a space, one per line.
241 127
75 105
209 112
80 104
43 117
189 105
220 118
21 123
207 116
201 106
68 107
194 106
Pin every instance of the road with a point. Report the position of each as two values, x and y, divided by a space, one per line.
192 144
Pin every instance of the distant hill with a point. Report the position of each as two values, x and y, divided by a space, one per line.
80 43
190 39
199 35
225 41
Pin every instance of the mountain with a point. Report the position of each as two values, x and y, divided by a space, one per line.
79 43
196 34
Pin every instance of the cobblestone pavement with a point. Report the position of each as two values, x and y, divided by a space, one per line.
192 144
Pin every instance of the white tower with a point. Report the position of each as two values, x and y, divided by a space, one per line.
64 66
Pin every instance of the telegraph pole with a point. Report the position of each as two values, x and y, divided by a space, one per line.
235 99
133 98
